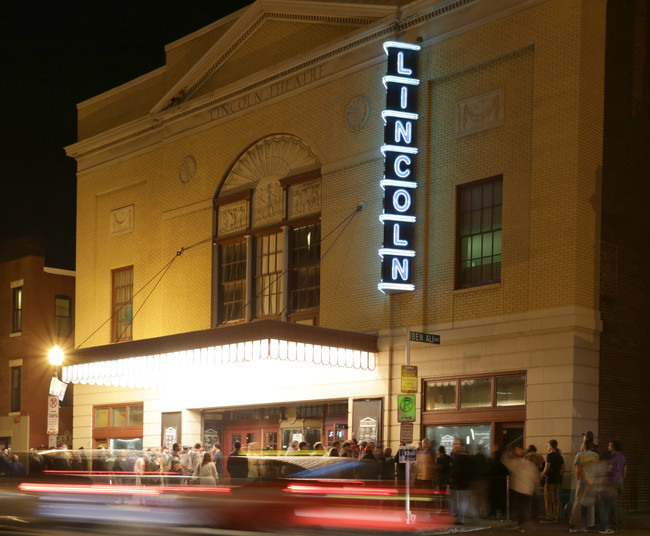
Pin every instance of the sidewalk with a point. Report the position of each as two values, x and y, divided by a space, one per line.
635 524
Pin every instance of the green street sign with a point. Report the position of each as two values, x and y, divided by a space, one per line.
405 408
430 338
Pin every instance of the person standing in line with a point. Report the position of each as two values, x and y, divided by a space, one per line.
443 468
4 462
585 465
617 473
237 464
400 466
217 458
524 479
138 469
388 465
552 478
424 465
206 471
461 478
16 467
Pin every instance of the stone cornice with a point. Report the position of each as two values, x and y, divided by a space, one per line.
207 110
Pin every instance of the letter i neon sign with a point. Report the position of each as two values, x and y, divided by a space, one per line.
399 150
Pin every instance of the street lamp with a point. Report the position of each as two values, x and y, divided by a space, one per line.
56 358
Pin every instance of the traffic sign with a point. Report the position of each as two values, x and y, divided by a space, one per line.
406 432
409 382
405 408
407 454
52 415
430 338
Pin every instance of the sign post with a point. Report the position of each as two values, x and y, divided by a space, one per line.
52 418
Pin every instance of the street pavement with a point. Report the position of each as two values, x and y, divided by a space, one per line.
635 524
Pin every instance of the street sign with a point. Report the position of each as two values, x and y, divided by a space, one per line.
405 408
430 338
409 382
406 432
407 454
52 415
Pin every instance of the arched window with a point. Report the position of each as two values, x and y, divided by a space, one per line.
267 234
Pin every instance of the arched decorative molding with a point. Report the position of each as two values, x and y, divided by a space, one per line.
274 157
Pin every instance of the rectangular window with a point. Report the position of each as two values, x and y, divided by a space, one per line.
62 316
479 228
268 275
15 388
511 391
17 310
123 304
304 276
309 410
271 441
441 395
118 416
232 280
476 393
474 436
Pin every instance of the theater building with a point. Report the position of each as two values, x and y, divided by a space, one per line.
269 223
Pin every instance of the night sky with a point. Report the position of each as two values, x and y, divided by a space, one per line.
52 56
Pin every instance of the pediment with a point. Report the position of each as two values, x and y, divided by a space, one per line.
269 34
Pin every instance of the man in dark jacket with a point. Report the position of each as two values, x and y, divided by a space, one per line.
461 477
237 464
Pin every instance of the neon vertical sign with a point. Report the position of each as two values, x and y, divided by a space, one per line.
399 150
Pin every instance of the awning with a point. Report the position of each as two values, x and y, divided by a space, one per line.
147 363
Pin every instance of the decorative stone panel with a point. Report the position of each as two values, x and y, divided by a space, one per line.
233 217
479 113
304 198
121 220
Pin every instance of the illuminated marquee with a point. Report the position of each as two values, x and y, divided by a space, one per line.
399 150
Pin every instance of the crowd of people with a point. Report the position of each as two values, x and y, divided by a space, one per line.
478 484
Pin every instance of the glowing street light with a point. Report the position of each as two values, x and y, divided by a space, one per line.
56 358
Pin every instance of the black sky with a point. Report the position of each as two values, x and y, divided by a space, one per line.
53 56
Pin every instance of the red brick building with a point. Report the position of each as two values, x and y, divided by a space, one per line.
36 313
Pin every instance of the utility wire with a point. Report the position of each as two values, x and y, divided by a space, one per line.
345 222
164 269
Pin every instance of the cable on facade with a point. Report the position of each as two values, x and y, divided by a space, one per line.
164 271
345 222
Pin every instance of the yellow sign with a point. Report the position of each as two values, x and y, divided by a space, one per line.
409 379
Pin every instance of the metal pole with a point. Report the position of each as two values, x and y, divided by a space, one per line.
410 518
407 350
508 498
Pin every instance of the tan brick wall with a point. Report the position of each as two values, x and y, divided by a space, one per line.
546 149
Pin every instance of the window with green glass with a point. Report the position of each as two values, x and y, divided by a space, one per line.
479 233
